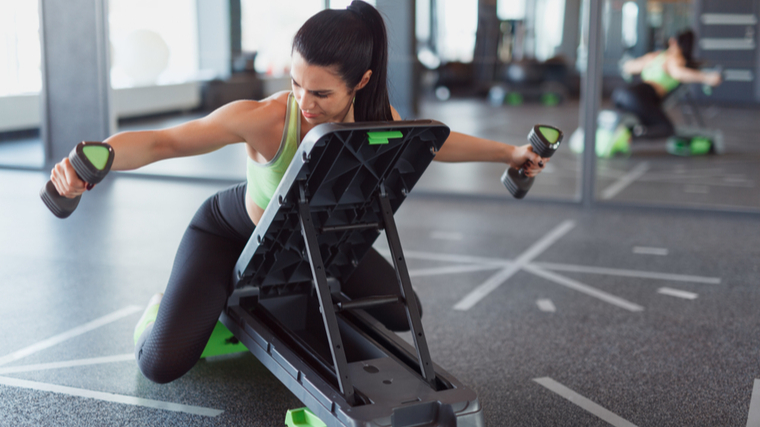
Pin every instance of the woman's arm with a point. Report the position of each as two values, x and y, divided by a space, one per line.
460 147
684 74
242 121
635 66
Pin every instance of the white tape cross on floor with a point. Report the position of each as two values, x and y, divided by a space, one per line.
502 276
459 264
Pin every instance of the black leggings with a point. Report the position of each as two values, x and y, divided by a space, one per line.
200 283
642 101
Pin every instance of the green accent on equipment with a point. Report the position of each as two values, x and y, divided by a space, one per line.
550 99
381 138
97 155
551 134
697 146
302 417
514 98
700 145
222 341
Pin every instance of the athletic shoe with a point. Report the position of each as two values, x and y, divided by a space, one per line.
608 143
149 316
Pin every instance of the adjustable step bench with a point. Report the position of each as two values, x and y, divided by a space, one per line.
342 188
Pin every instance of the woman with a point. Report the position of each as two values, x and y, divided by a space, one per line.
661 72
339 72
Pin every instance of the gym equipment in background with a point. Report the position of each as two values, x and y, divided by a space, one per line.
341 189
545 140
617 129
91 161
529 80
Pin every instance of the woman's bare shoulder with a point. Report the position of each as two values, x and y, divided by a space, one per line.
263 111
395 114
250 117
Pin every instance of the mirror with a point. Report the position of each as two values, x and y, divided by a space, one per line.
20 85
680 143
496 75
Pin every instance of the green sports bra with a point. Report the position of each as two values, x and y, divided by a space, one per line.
263 179
655 72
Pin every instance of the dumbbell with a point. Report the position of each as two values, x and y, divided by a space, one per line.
91 161
545 140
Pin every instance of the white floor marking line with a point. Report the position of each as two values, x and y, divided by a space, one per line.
79 330
753 420
485 288
627 273
580 287
526 257
437 271
68 364
677 293
447 235
590 406
696 189
546 305
637 172
431 256
110 397
644 250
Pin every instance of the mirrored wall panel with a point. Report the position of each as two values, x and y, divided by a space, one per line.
20 85
681 112
493 70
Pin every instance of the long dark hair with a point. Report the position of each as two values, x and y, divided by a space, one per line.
685 41
353 40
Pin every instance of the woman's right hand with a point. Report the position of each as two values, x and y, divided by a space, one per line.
712 78
66 181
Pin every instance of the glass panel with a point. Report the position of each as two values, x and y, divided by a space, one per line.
153 42
496 82
457 23
667 136
268 30
342 4
20 85
266 33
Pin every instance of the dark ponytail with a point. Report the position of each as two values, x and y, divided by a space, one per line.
354 41
685 41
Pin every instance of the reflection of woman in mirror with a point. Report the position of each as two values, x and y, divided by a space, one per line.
661 72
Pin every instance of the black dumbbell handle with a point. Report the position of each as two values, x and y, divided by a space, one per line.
86 170
516 181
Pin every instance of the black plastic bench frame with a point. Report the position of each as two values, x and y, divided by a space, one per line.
341 189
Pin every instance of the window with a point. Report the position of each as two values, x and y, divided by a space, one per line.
268 28
342 4
153 42
548 27
510 9
20 56
457 24
630 23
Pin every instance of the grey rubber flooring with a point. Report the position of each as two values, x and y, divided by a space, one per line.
611 316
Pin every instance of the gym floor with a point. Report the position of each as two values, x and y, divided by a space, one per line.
554 314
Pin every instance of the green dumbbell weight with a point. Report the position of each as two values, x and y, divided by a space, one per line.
91 161
545 140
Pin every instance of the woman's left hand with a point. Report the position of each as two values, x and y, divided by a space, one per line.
524 157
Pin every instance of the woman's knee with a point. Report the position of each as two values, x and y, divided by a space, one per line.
161 365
